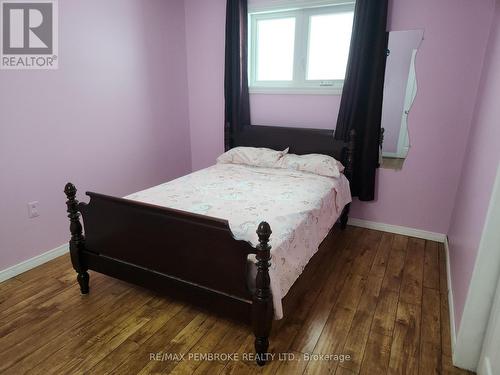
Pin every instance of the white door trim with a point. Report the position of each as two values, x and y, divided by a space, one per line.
482 287
490 344
451 303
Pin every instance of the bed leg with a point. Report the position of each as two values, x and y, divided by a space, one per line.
83 281
262 307
77 241
345 216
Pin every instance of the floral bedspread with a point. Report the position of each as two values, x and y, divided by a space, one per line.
300 207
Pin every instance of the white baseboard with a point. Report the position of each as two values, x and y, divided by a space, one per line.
411 232
33 262
451 304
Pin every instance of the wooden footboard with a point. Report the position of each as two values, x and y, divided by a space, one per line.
189 256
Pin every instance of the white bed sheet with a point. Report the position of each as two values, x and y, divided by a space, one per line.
300 207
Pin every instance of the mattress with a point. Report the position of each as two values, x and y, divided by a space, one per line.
300 207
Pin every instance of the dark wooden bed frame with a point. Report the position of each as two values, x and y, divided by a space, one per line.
188 256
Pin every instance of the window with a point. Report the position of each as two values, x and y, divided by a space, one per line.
301 50
275 47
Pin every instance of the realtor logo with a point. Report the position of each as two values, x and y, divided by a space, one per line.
29 34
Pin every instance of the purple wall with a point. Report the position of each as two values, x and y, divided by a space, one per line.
316 111
205 23
478 174
113 118
422 194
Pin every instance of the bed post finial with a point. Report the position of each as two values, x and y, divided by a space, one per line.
262 307
77 241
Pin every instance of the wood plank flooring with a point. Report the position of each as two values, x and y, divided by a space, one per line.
379 298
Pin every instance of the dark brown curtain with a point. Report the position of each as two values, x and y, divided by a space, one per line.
361 103
237 107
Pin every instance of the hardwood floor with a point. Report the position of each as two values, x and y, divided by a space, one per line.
379 298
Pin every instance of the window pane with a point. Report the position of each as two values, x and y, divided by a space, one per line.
329 41
275 49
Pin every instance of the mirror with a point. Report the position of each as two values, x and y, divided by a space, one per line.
400 89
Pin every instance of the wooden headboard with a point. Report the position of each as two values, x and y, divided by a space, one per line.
300 141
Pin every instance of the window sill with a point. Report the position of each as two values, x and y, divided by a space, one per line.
294 91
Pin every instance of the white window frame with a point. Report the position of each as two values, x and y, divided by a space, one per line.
299 84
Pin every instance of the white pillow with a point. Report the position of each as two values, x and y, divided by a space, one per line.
323 165
257 157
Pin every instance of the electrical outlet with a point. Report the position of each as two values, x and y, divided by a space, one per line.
33 209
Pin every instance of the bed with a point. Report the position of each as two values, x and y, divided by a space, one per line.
200 239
